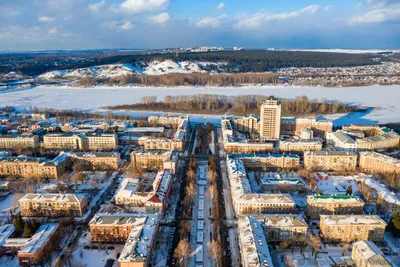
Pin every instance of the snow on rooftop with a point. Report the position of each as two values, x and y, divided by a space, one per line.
5 232
383 191
253 243
40 238
280 220
31 197
367 249
329 199
351 219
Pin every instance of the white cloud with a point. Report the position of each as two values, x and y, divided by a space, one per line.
328 8
52 31
127 25
97 6
379 15
160 18
221 6
209 22
381 2
10 12
45 19
141 6
256 20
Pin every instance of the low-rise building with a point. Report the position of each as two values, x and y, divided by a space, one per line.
341 141
149 159
330 161
367 254
31 252
6 231
248 124
294 126
268 161
163 143
53 205
135 230
299 145
19 141
333 205
378 163
272 184
253 243
98 160
89 141
385 140
386 200
281 227
351 228
167 120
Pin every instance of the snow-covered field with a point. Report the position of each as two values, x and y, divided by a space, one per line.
385 100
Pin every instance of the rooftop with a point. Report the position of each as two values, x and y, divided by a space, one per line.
40 238
5 232
281 220
352 219
62 198
334 199
383 191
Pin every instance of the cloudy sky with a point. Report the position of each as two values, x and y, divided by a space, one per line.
92 24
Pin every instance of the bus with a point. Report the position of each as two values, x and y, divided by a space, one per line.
199 254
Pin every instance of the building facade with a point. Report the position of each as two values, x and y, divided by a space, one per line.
90 141
330 161
294 126
53 205
367 254
333 205
298 145
18 141
378 163
270 119
352 228
268 161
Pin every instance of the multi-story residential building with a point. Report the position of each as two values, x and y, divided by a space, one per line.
281 227
167 120
294 126
163 144
385 140
333 205
330 161
253 243
90 141
135 230
97 160
306 134
378 163
282 184
372 129
248 147
386 200
31 167
153 199
249 124
299 145
270 119
171 162
245 201
367 254
53 205
351 228
341 141
19 141
268 161
31 252
150 159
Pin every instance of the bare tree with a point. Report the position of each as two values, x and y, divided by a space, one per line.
182 252
214 250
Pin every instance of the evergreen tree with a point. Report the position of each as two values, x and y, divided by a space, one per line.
28 229
18 224
349 190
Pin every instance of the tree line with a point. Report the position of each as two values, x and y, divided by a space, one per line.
236 105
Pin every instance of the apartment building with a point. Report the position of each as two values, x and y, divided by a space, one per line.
268 161
245 201
19 141
248 124
386 200
150 159
167 120
32 167
367 254
163 144
98 160
270 119
281 227
248 147
378 163
31 252
299 145
341 141
53 205
385 140
330 161
89 141
282 184
294 126
351 228
333 205
253 243
136 231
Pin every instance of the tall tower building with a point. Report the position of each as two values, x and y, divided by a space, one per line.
270 119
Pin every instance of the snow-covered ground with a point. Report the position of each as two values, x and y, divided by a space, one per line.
385 100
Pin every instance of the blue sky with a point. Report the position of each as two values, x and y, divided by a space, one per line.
92 24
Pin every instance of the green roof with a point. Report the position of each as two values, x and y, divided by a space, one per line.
336 197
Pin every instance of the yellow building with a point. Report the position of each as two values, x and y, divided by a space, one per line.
249 124
18 141
294 126
268 161
298 145
351 228
90 141
330 161
333 205
53 205
367 254
163 144
385 140
378 163
149 159
167 120
98 160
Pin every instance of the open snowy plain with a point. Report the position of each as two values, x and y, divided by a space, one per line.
383 100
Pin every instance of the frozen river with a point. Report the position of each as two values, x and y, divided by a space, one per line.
385 100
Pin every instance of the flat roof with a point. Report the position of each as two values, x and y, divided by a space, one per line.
352 219
40 238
